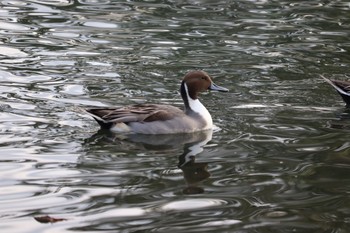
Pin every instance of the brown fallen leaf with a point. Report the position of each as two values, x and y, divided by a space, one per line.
48 219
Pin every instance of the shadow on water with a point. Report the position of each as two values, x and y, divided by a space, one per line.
191 144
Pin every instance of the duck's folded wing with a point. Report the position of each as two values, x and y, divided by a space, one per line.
135 113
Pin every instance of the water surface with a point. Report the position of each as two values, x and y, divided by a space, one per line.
277 162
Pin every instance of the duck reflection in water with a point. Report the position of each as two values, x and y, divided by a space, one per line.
192 143
194 172
342 120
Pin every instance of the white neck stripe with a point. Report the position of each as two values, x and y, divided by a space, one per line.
197 107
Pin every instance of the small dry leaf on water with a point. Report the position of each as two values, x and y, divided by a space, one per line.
48 219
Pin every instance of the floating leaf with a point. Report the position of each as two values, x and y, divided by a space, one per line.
48 219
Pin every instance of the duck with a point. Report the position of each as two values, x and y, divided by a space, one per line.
160 118
342 87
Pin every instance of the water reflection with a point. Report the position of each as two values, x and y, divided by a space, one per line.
194 172
342 121
192 145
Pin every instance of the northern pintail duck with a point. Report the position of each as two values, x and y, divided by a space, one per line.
342 87
163 119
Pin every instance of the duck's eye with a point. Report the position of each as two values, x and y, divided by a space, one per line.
203 78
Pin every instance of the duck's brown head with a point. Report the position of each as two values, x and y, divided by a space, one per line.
199 81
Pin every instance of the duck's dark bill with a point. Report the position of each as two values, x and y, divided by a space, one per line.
214 87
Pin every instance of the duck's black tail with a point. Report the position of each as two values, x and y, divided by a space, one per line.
342 87
97 115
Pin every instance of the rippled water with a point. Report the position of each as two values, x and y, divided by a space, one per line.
279 161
